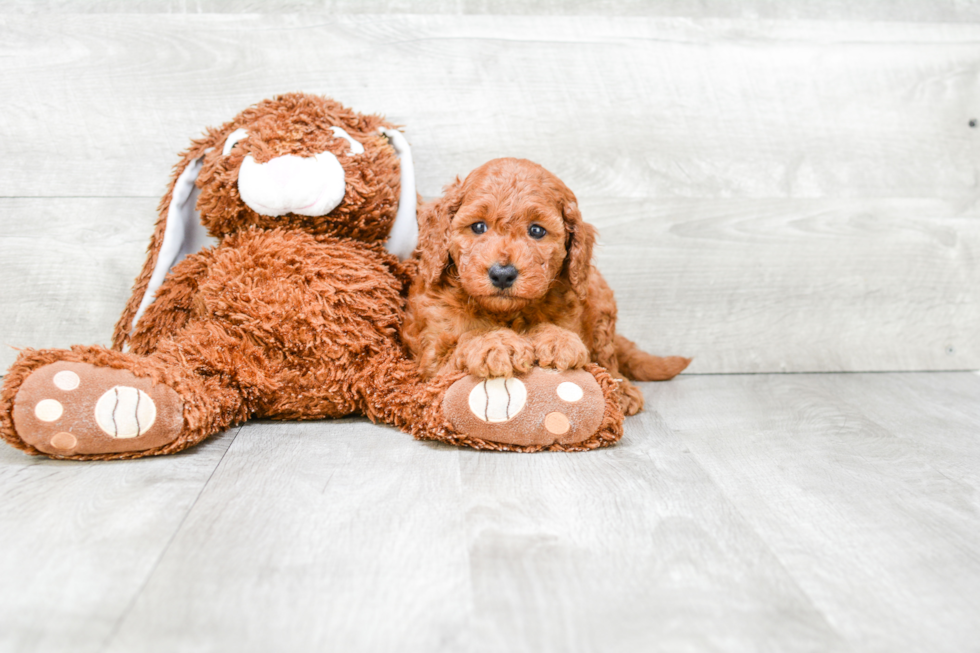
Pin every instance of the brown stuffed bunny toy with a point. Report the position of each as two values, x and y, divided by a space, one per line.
292 312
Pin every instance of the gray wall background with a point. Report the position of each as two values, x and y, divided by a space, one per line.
779 186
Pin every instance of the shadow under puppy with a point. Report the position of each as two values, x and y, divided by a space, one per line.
506 281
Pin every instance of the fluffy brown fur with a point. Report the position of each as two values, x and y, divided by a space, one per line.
293 317
558 313
295 123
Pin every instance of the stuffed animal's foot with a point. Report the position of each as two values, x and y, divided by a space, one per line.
543 409
67 409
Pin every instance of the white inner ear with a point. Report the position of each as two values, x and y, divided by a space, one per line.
404 234
355 147
233 138
183 235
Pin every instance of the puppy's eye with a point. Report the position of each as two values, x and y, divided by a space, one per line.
536 231
479 228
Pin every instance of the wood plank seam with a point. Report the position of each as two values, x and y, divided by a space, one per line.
132 602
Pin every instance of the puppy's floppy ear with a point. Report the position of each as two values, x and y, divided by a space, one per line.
178 232
578 248
434 224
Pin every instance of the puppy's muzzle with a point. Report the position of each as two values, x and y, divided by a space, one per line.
502 276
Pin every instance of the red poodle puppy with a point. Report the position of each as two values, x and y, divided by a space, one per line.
506 281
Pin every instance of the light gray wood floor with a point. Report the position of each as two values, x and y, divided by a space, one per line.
828 512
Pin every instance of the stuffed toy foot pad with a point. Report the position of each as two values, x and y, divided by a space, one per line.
541 408
65 409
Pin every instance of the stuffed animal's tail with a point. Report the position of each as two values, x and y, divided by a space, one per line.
637 365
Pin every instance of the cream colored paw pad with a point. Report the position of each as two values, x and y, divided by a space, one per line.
48 410
497 400
125 412
570 392
66 380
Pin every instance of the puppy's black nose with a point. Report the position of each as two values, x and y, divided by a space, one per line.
502 276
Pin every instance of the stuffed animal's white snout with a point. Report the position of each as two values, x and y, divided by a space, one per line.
292 184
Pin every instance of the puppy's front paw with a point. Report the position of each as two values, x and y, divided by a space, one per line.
498 353
559 349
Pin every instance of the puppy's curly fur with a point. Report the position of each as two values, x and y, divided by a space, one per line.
557 312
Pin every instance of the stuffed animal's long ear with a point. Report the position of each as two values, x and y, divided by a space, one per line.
178 232
434 224
404 234
581 239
